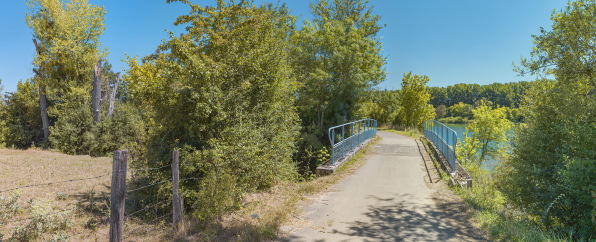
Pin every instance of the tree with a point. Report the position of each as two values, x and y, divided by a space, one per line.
68 48
441 111
19 116
567 51
222 93
415 100
336 57
552 171
485 137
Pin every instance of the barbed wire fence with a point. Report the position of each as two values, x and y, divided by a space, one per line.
118 195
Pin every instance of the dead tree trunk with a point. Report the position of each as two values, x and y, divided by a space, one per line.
106 93
43 103
96 93
113 97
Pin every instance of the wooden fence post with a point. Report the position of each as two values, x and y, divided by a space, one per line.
175 196
117 195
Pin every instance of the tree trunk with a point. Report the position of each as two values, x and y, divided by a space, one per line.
113 97
43 103
105 94
96 93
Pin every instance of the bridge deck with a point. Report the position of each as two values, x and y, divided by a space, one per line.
387 200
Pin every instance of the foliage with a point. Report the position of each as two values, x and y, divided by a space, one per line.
126 129
488 136
68 133
21 125
502 94
223 93
74 132
567 51
383 106
308 143
336 57
415 98
440 111
45 220
455 120
9 206
461 110
69 41
552 171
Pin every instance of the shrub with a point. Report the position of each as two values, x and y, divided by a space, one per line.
45 220
230 109
20 121
552 171
126 129
68 134
74 132
9 206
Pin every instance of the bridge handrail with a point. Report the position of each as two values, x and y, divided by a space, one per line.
364 132
439 133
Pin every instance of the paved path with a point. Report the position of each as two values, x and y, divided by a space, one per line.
385 200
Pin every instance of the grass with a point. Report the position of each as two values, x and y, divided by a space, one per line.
89 199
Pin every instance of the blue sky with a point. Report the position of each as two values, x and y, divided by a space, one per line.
451 41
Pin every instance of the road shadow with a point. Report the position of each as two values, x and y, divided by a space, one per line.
393 219
404 221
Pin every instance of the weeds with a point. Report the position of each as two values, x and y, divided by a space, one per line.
45 220
9 206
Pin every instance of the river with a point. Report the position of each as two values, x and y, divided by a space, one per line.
460 129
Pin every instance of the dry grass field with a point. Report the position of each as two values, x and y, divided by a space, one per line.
39 210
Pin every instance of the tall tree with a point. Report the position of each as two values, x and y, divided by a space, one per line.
336 57
224 92
415 100
68 47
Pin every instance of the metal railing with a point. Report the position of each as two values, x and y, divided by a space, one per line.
444 138
352 134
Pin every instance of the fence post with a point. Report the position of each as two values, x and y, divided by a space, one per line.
175 196
118 191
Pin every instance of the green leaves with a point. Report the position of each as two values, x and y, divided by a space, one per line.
415 100
336 57
485 137
567 51
69 41
222 92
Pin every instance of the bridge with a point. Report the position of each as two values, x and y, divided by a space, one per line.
397 195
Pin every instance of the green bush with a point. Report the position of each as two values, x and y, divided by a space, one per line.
74 132
552 172
308 144
126 129
230 110
69 133
20 120
455 120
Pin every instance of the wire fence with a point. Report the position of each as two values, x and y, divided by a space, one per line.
145 208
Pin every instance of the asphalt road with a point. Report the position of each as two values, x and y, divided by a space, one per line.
385 200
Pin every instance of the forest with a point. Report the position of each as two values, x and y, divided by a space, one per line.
247 94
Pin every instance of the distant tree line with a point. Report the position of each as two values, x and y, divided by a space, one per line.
454 104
